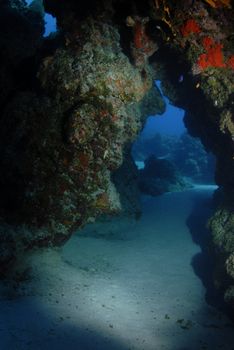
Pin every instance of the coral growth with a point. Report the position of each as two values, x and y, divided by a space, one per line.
212 58
70 104
207 42
139 35
58 148
230 62
142 46
160 176
190 27
186 153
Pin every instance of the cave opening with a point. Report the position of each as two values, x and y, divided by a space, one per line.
105 244
50 21
170 160
169 239
166 140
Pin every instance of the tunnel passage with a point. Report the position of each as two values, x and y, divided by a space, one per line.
167 157
169 161
67 125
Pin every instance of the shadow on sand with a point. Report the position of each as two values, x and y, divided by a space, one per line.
25 325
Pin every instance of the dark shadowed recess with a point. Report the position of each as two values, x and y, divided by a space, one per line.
203 262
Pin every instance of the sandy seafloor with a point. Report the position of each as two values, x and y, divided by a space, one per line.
122 285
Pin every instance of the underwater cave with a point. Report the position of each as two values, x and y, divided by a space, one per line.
117 175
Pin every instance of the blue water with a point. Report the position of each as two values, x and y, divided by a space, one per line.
170 123
50 22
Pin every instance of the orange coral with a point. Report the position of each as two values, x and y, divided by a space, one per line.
230 62
143 46
190 27
139 35
214 55
212 58
207 42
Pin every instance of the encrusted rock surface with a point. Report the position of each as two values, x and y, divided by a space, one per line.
125 179
196 70
160 176
184 151
60 145
69 107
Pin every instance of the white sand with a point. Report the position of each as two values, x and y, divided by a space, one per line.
134 290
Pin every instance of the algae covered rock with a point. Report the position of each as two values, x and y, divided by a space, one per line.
59 147
230 265
186 153
126 181
229 296
160 176
221 225
68 110
152 103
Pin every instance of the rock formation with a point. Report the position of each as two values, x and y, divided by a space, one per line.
185 152
70 104
160 176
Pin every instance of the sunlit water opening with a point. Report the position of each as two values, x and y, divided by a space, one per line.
169 124
50 21
165 138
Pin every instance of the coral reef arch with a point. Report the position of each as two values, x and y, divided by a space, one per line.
71 105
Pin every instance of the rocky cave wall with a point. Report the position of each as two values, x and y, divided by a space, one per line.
64 131
72 104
